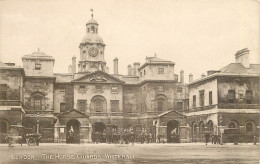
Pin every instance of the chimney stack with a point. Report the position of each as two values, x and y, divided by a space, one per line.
73 69
182 77
129 70
136 66
203 75
190 77
116 66
242 57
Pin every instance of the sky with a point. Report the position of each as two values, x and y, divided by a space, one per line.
198 35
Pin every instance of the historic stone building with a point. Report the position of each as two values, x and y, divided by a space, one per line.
151 96
226 101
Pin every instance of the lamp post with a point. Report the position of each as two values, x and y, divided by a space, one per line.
37 123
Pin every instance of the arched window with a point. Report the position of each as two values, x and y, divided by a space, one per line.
249 127
161 101
37 101
98 104
210 126
93 29
231 125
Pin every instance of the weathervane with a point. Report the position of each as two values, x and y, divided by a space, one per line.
92 12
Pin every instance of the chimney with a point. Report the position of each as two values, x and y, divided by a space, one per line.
176 78
73 69
203 75
116 66
136 66
242 57
182 77
190 77
129 70
70 68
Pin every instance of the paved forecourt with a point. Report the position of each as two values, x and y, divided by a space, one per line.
137 153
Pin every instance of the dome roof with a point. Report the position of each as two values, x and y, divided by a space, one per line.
92 38
92 21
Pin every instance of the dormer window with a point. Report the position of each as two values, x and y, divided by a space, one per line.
38 66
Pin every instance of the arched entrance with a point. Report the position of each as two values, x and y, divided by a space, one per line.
173 132
73 131
3 126
99 130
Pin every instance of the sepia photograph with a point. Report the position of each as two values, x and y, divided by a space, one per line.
130 81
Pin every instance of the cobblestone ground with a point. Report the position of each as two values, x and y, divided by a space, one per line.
137 153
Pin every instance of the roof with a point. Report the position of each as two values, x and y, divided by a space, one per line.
38 55
92 38
63 78
130 79
92 21
3 65
234 69
155 61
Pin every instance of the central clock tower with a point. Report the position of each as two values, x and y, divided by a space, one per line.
92 50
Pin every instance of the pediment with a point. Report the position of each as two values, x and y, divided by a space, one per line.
171 114
73 113
98 77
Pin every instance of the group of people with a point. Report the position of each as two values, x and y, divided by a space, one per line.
215 139
126 136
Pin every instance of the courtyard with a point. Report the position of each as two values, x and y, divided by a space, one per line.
137 153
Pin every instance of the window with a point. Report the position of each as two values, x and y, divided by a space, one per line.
161 88
82 88
37 84
129 108
232 125
201 97
62 107
3 91
249 96
179 105
231 96
140 74
82 105
194 101
98 106
160 105
210 98
62 91
114 105
179 89
98 88
160 71
144 72
114 89
249 127
195 129
38 66
37 103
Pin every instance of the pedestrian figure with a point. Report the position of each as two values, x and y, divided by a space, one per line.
159 138
254 140
207 136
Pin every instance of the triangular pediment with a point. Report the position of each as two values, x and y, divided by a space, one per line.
73 113
171 113
98 77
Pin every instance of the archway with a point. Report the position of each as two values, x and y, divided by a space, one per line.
99 128
4 126
173 134
73 131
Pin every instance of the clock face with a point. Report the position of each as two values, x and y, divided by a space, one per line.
93 51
